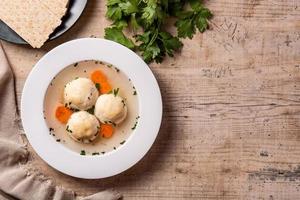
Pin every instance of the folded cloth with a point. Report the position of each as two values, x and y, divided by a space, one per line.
15 180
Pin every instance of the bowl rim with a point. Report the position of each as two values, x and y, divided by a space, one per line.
56 154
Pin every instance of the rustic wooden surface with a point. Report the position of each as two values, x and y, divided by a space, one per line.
231 125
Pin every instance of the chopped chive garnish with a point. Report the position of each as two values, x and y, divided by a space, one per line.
75 65
134 92
123 103
57 140
113 123
95 153
122 142
116 91
82 152
97 85
67 129
135 124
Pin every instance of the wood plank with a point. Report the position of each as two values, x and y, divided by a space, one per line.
231 127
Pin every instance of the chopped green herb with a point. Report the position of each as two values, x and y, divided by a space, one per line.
103 152
122 142
110 122
57 140
116 91
75 65
82 152
66 105
109 65
97 85
74 109
51 129
123 103
135 124
95 153
96 62
76 78
134 92
115 148
68 130
117 69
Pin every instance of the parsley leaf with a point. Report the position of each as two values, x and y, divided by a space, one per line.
130 6
155 45
150 17
114 13
117 35
188 21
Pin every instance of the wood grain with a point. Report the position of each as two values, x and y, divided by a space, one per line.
231 125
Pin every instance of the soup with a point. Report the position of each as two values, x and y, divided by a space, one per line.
62 110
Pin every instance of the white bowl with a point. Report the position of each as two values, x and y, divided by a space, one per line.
56 154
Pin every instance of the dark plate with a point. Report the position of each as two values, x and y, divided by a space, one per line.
75 10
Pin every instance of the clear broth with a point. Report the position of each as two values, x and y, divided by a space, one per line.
117 79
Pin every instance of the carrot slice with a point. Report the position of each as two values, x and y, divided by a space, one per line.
99 78
105 87
63 114
106 130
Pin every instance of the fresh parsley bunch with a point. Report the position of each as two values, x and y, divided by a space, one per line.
149 17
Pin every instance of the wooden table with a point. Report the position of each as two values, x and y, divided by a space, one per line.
231 125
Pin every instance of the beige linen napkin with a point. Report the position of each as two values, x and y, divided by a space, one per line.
15 180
